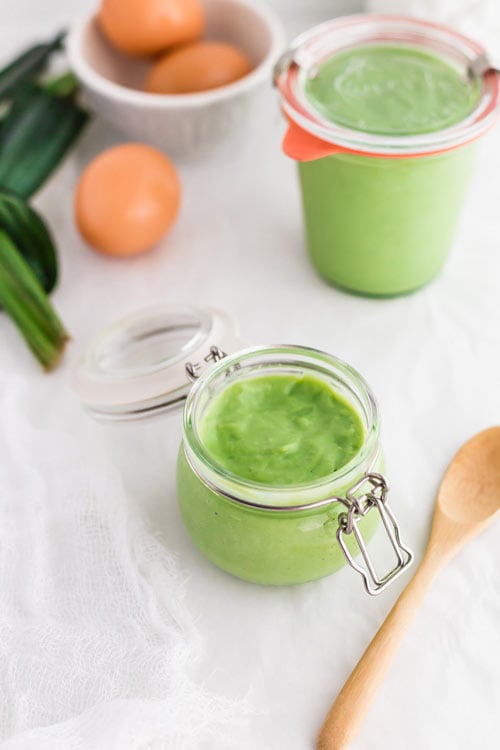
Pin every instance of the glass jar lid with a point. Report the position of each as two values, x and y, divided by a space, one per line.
146 362
314 47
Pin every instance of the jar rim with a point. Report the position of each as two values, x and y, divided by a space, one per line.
276 498
320 42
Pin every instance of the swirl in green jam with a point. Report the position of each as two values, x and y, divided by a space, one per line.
281 430
391 90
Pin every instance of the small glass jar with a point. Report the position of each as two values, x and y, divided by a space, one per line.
156 360
273 535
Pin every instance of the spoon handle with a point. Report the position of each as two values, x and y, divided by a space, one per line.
348 711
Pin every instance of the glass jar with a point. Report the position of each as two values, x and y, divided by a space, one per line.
154 360
380 211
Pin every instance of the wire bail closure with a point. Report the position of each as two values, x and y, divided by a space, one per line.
359 505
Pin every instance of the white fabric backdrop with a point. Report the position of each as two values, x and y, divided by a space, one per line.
479 19
115 632
95 638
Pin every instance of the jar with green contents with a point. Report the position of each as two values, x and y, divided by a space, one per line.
280 472
384 116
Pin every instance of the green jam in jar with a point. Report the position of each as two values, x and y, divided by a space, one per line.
281 430
272 439
393 99
391 90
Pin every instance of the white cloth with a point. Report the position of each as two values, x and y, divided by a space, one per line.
96 568
479 19
95 639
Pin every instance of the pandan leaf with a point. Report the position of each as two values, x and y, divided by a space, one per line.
34 137
31 236
24 300
27 66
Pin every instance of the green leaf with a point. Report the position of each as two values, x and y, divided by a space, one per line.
34 137
25 301
65 84
31 236
27 66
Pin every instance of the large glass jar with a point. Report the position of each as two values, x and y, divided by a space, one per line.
157 359
381 209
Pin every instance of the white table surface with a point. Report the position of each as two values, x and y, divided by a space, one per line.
433 360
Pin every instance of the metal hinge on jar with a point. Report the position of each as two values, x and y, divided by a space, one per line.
368 494
195 370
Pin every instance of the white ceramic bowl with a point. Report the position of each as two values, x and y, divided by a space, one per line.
183 125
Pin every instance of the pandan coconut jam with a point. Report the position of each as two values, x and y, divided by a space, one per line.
383 122
277 440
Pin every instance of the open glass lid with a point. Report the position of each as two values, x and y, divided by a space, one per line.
146 362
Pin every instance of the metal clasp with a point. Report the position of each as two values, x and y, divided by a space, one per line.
294 56
194 370
480 66
364 496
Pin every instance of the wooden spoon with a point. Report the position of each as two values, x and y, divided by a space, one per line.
467 502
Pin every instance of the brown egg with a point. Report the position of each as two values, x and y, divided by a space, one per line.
126 199
147 27
197 67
